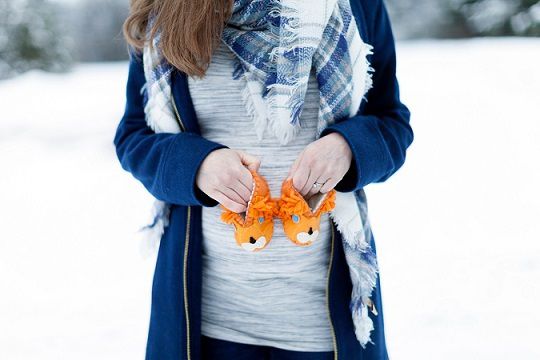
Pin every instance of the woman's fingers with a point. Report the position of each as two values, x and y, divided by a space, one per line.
306 171
306 175
308 186
300 175
235 183
328 185
294 166
326 160
224 176
224 200
250 161
242 191
231 194
322 183
245 186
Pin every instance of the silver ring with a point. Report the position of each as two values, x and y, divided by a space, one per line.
316 184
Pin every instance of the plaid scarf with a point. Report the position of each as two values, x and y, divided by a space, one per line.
277 43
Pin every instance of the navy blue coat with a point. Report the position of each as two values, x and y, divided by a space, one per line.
167 165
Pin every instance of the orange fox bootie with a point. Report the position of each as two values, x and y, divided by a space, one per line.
301 220
253 229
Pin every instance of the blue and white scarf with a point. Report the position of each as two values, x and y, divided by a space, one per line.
277 43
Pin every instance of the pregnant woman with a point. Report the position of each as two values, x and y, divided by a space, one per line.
280 112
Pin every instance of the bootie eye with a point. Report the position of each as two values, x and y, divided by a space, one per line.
261 219
295 218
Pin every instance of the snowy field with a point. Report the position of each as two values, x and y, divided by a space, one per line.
457 228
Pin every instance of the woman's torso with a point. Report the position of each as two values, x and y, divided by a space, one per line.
277 296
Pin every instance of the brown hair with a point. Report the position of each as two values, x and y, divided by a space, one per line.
190 29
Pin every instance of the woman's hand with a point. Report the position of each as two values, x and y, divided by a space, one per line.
224 176
326 160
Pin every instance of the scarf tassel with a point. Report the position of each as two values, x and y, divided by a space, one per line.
150 234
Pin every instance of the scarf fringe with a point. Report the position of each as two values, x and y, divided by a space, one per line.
348 220
364 74
254 103
150 234
363 267
363 325
278 118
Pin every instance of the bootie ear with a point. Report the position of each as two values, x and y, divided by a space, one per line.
301 219
254 227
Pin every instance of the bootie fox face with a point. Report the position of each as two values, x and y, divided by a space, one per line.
301 220
254 227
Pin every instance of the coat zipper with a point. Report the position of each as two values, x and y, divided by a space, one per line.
186 250
334 340
178 118
186 305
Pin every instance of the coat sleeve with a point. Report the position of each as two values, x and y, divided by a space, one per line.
165 163
380 135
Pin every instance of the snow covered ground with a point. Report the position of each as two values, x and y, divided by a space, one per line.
457 228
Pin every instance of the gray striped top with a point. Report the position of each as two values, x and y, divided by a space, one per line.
276 296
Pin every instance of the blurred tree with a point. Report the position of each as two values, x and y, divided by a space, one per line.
500 17
465 18
31 37
417 18
36 34
97 28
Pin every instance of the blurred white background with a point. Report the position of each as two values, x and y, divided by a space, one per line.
457 228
